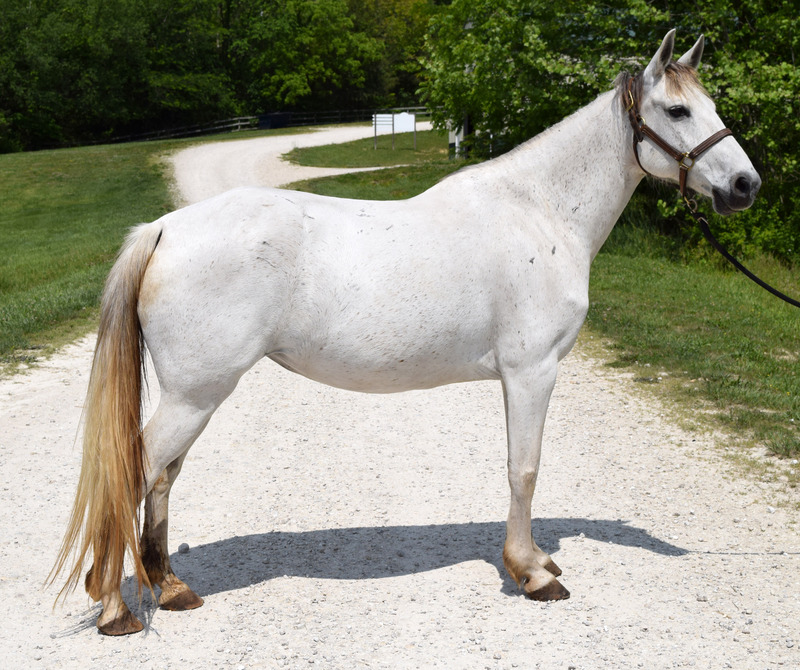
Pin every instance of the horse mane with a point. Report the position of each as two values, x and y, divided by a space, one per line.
680 80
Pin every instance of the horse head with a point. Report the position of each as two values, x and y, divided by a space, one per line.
670 108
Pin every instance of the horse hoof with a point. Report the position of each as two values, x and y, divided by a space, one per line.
178 601
551 567
124 624
552 590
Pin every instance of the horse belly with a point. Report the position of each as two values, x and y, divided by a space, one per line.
353 372
390 351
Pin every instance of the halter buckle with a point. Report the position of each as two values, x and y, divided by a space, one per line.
683 165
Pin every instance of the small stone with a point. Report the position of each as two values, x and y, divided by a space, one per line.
183 548
702 599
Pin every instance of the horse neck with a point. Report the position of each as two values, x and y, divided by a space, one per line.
579 172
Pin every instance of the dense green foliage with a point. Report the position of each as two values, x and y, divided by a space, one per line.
515 67
73 71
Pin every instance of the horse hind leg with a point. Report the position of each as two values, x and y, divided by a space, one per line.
168 436
175 594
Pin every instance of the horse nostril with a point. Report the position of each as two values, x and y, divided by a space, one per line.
742 186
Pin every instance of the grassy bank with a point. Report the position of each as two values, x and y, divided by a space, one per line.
63 215
419 168
718 344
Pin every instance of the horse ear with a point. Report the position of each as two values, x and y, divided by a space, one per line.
693 56
655 69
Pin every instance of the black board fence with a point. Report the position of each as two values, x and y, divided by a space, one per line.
267 121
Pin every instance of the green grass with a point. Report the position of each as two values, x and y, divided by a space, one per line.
729 349
419 169
388 184
63 215
431 148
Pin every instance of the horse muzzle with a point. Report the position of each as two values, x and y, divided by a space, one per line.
739 195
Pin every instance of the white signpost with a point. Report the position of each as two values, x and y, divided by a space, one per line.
383 124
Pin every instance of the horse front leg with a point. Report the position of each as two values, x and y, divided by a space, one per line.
175 594
527 395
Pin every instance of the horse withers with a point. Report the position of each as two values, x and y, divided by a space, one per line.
375 297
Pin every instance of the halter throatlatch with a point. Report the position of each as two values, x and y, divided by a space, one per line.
686 161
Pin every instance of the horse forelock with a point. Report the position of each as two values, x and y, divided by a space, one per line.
679 79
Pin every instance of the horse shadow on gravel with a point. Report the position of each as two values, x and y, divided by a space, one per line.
383 551
370 552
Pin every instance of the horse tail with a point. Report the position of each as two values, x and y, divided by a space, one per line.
105 514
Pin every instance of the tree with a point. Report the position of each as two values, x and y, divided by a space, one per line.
302 54
69 68
515 67
399 27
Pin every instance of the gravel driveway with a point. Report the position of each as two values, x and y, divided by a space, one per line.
336 530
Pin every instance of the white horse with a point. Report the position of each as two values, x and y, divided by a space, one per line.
484 276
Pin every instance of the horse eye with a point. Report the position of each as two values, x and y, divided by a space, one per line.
678 111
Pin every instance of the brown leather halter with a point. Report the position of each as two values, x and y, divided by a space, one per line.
685 159
642 130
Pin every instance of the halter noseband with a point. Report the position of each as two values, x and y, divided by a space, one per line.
642 130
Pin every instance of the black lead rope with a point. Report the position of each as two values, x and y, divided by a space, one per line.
702 221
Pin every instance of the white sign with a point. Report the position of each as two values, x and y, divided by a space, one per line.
385 124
